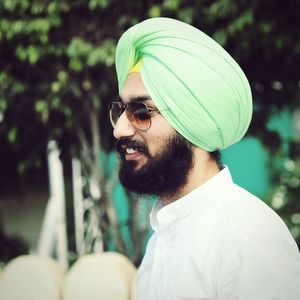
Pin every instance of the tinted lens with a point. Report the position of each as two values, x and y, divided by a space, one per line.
115 112
139 116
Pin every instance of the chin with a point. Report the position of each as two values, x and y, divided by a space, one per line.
158 175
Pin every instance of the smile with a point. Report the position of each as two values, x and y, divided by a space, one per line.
132 154
130 150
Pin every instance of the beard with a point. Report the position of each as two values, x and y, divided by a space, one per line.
163 174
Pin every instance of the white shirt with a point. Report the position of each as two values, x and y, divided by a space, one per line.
219 242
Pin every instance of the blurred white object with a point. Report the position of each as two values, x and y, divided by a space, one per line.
31 277
86 211
124 265
133 295
78 206
105 276
53 231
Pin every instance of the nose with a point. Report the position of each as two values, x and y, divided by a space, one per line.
123 127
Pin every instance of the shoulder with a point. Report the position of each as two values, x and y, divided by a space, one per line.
233 218
253 215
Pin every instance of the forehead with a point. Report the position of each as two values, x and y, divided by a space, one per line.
133 88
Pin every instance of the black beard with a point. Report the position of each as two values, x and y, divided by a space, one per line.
162 175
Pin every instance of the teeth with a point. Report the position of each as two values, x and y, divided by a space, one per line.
130 151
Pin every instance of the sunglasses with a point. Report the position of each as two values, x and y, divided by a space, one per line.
138 113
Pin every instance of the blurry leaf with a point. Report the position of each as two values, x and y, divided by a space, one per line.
45 116
75 65
55 20
21 167
33 54
12 135
55 102
86 85
265 26
78 47
105 54
238 24
109 61
44 38
52 7
279 42
3 105
186 15
220 36
65 7
93 4
37 8
21 53
56 50
155 11
3 79
55 86
124 20
171 4
9 5
4 25
67 112
18 87
75 90
96 102
62 76
18 26
222 8
95 56
37 25
40 106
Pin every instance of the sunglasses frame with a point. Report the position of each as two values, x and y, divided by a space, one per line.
124 108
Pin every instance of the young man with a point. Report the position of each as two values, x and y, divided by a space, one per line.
183 99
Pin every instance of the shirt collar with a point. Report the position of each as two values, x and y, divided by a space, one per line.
163 215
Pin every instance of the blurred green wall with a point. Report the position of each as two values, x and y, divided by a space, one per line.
249 161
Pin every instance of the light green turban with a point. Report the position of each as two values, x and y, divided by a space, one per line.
201 90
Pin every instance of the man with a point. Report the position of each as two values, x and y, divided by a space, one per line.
183 99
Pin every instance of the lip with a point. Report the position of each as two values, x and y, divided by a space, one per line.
133 156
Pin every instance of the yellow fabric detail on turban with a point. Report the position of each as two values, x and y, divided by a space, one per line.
137 67
201 90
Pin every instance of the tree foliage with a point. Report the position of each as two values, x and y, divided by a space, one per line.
57 67
57 60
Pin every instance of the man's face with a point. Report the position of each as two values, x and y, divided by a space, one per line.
156 161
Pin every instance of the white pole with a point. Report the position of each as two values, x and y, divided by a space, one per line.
47 235
56 181
78 206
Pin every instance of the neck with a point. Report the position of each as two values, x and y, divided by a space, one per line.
203 169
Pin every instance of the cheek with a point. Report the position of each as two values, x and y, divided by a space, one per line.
158 134
157 142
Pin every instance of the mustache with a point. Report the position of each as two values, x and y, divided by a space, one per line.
125 143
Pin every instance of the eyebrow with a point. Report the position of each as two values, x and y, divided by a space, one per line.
139 98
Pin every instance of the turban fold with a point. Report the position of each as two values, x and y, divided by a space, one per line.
201 90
